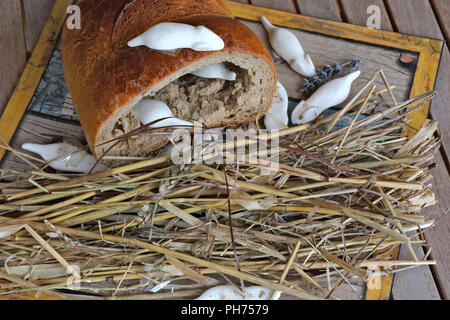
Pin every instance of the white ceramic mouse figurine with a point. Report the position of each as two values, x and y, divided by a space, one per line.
230 293
329 95
168 36
277 118
150 110
216 71
65 157
287 46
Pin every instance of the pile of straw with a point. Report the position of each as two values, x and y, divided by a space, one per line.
153 230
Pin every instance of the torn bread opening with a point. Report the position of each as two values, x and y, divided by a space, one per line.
212 102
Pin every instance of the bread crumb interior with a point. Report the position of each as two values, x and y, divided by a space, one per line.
213 102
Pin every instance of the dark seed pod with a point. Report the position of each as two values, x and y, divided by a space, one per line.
337 69
328 70
323 76
314 80
355 64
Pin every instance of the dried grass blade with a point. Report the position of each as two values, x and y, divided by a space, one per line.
276 294
195 276
346 266
184 257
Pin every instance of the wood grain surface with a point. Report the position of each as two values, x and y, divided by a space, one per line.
324 9
410 19
12 48
416 283
438 235
36 13
416 18
284 5
441 9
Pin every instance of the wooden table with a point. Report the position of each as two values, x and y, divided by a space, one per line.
22 21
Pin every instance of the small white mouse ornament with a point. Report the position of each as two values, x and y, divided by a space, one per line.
65 157
329 95
150 110
216 71
277 118
169 36
288 47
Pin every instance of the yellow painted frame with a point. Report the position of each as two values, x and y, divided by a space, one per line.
429 50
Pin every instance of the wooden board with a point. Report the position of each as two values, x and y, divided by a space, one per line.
414 284
324 47
440 106
12 48
442 11
415 18
438 236
36 13
324 9
409 19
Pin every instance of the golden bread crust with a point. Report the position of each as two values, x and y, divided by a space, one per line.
104 74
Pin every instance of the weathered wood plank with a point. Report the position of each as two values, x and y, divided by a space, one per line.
327 50
415 17
235 0
38 129
355 12
36 13
414 284
410 19
324 9
438 236
12 49
284 5
442 12
440 106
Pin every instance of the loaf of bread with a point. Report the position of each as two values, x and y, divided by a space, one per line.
107 78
